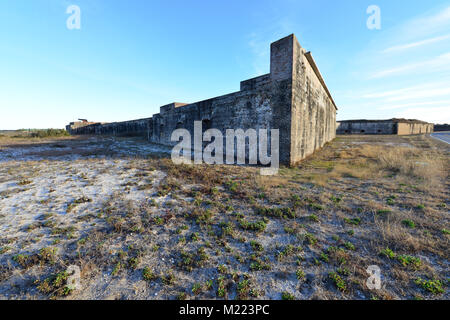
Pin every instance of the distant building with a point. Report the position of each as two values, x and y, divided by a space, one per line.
442 127
391 126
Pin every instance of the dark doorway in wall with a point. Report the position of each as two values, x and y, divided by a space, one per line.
161 131
206 124
363 131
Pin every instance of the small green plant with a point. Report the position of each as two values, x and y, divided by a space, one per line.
409 223
232 186
221 287
133 262
432 286
21 259
48 254
287 296
407 260
256 246
55 284
254 293
227 229
310 239
168 279
420 206
202 256
313 218
222 269
316 206
181 296
445 231
258 226
148 275
196 288
243 288
287 251
338 281
344 271
289 230
349 245
283 213
353 221
336 199
324 257
214 190
116 269
388 253
258 265
208 284
296 200
195 236
300 274
390 201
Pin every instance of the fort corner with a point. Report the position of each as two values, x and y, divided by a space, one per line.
293 98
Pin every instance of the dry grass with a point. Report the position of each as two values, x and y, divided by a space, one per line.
213 232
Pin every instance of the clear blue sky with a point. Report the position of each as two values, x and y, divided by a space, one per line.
131 57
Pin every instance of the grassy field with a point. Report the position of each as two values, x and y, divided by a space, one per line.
140 227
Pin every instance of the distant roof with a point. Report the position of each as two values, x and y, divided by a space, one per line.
396 120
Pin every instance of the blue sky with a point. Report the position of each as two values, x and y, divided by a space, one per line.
131 57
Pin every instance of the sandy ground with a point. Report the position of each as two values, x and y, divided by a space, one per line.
141 228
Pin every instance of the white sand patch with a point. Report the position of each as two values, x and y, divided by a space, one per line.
33 185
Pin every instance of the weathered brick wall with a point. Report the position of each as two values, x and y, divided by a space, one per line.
249 109
75 127
125 128
313 110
